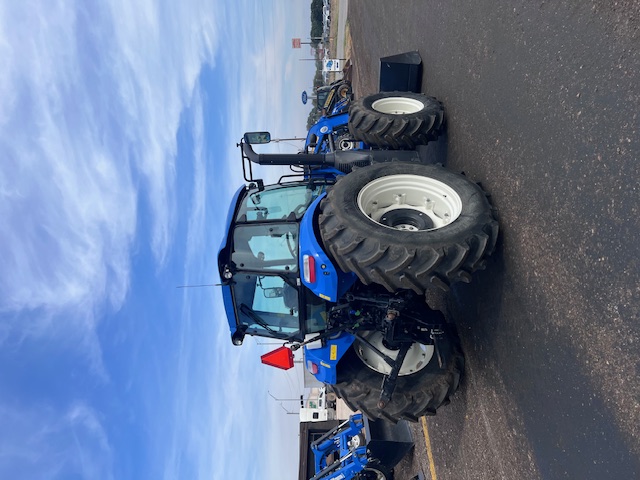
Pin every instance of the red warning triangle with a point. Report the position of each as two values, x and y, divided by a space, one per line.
280 358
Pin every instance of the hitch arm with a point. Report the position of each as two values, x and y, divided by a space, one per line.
330 468
389 381
351 422
436 336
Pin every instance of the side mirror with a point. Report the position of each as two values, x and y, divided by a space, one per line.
273 292
256 138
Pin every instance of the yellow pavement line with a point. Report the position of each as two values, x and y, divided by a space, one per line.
432 465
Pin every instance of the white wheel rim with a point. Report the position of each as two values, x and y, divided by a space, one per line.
397 105
411 203
418 356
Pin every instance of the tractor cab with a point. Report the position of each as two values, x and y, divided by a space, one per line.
260 265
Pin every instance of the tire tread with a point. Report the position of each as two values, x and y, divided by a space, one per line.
397 266
359 387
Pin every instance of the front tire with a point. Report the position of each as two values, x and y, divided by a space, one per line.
408 226
397 120
415 395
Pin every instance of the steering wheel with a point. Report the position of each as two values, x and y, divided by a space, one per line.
300 209
290 246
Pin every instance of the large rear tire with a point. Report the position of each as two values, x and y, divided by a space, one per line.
408 226
396 120
415 395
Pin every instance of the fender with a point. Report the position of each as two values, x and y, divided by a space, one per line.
322 362
330 283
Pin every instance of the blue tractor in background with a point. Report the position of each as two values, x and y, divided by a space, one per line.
359 449
336 257
331 131
334 98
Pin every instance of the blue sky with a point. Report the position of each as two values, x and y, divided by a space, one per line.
118 124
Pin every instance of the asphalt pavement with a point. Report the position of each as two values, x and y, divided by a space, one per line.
542 102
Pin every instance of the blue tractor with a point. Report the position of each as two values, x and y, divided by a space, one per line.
337 257
359 449
331 131
334 98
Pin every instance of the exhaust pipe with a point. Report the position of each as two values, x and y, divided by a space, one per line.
343 160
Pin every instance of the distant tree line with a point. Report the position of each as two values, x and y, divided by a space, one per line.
316 33
316 21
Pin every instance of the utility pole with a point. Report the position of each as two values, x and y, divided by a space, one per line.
285 399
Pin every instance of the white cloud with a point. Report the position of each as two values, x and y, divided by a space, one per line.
196 229
90 100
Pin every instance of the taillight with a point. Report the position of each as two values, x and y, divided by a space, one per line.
312 367
309 268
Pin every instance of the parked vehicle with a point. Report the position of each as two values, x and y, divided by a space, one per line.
360 449
335 98
336 258
320 406
331 131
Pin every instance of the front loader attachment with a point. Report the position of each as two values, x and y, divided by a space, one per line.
359 444
401 73
389 442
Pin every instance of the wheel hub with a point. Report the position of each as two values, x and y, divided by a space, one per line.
345 142
411 203
407 219
373 474
418 356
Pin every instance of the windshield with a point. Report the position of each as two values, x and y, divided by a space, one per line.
267 305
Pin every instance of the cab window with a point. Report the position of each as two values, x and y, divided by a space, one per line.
277 202
264 247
